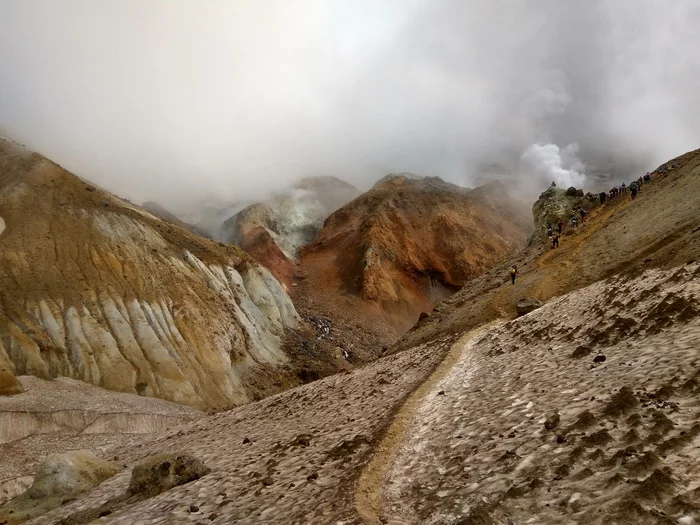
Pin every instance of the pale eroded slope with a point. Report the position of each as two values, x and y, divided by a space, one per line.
98 290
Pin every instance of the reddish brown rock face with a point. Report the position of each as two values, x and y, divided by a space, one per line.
398 249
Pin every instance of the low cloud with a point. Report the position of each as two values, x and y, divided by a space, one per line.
184 101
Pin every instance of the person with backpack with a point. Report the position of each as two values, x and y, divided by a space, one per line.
555 241
549 229
513 273
583 215
633 189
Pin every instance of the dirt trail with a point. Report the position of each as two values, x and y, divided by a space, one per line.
368 493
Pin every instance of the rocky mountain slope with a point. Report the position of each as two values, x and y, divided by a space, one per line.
273 231
658 229
397 250
584 411
96 289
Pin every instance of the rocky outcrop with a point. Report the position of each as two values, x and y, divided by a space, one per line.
162 472
59 478
558 204
525 306
98 290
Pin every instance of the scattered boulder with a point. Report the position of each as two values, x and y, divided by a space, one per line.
581 351
9 384
162 472
59 477
600 358
525 306
552 421
571 191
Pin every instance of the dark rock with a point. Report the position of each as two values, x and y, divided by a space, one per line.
599 358
441 393
162 472
552 421
525 306
267 481
194 508
246 441
90 188
581 351
571 192
311 477
579 193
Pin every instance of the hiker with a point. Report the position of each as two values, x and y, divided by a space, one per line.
549 229
561 225
647 178
574 221
513 273
602 197
623 188
633 190
583 215
555 241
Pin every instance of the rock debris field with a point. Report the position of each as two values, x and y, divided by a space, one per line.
586 410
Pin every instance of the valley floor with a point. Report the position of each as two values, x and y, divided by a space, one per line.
521 422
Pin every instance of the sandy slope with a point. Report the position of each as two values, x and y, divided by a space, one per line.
531 429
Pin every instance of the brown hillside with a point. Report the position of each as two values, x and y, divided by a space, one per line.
659 229
96 289
398 249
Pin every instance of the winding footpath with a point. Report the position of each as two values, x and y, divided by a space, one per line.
369 500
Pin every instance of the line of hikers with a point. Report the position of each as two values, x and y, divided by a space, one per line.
634 187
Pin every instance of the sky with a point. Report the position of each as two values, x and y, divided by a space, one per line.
183 101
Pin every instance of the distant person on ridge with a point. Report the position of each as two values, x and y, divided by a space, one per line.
602 197
633 189
583 215
513 273
555 241
561 225
549 229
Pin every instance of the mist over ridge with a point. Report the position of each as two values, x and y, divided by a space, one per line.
182 101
